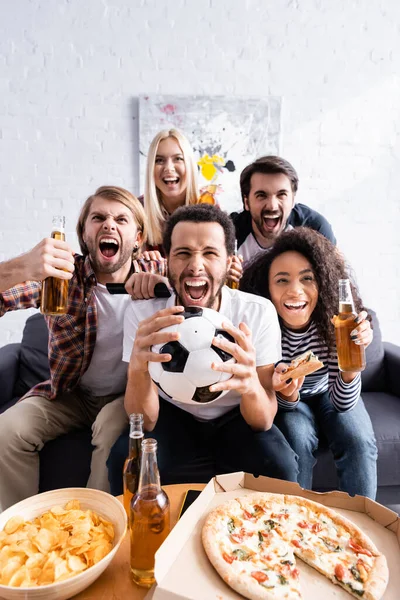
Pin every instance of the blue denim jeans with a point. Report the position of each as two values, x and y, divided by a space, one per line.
350 437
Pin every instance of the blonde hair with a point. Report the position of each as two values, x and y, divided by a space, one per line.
152 196
110 192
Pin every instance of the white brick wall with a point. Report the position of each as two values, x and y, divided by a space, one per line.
70 74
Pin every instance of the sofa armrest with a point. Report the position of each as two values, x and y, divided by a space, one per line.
392 368
9 367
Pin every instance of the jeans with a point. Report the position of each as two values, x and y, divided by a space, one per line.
225 445
350 437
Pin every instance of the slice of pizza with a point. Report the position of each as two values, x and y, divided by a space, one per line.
248 550
302 365
252 542
337 548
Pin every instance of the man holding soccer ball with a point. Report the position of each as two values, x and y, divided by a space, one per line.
235 431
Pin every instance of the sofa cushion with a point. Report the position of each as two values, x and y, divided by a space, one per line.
34 364
373 377
384 410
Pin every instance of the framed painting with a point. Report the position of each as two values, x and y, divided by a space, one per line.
226 135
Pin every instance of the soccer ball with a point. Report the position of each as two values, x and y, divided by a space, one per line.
188 375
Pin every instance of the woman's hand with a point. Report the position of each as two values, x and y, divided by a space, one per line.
288 388
362 334
151 255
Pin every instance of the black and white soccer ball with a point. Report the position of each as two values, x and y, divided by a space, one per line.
188 376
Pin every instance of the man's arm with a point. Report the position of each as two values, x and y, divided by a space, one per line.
141 394
49 258
258 402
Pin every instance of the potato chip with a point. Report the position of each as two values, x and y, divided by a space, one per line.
73 505
62 542
13 524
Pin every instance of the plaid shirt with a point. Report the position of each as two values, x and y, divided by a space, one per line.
72 337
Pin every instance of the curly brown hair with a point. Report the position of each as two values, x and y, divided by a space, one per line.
328 265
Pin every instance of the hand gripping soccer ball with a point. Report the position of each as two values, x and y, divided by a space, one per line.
188 376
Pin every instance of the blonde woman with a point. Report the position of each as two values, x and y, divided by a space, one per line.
171 181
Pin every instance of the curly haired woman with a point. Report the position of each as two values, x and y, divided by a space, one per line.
300 276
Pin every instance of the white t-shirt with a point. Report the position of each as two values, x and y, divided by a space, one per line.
251 248
259 315
106 374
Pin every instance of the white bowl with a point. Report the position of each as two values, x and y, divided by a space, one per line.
102 503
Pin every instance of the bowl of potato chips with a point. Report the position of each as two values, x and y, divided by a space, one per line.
55 544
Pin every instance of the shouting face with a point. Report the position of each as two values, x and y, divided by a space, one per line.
198 263
170 173
110 234
269 202
293 289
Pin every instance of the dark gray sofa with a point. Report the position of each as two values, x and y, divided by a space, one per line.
65 461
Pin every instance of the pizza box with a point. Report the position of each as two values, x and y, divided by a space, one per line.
183 571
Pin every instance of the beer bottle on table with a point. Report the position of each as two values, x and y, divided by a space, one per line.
149 517
54 300
132 463
234 285
351 356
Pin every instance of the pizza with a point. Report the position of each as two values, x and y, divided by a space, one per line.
253 543
302 365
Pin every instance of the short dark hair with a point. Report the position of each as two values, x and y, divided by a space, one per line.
201 213
328 265
267 165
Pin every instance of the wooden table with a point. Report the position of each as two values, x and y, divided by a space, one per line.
116 583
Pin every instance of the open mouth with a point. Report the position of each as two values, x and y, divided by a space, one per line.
271 222
295 306
196 290
171 181
109 247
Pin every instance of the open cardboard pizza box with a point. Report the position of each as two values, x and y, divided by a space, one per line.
183 570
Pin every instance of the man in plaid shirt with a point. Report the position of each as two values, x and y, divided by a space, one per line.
87 375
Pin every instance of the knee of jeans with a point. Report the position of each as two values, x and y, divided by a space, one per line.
359 443
363 443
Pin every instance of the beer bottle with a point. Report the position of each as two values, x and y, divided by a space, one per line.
149 518
351 356
54 300
207 197
132 463
234 285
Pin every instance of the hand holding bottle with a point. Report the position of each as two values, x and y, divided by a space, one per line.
353 332
49 258
362 333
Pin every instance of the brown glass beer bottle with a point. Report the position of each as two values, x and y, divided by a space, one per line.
54 300
207 197
132 463
149 518
234 285
351 356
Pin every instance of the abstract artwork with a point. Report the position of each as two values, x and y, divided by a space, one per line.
226 135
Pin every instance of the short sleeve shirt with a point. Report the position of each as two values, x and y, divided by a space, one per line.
259 315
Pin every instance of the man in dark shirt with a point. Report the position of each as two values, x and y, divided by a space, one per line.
268 187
